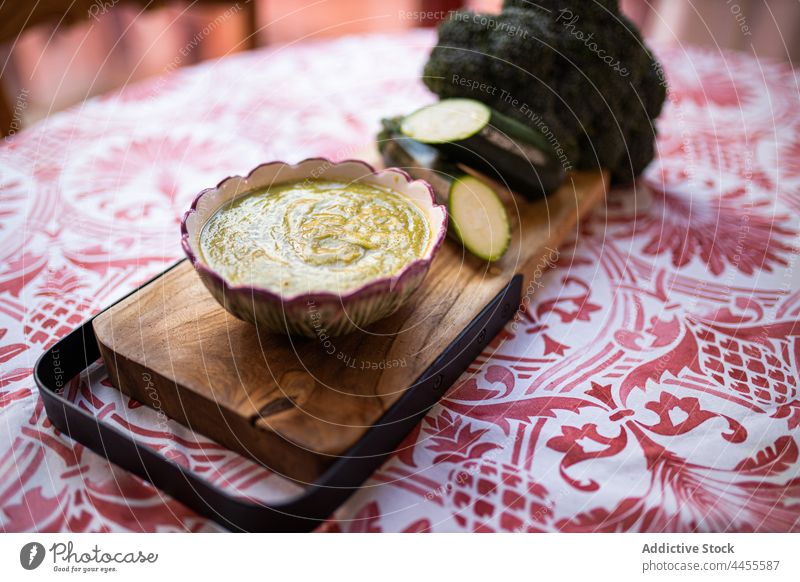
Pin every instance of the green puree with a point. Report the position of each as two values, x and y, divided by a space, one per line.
314 236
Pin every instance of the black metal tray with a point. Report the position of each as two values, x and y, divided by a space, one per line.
74 353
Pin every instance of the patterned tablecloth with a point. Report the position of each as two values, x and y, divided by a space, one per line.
652 386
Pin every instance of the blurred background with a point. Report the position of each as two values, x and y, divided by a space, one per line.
57 53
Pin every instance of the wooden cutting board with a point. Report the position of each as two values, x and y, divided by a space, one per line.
295 404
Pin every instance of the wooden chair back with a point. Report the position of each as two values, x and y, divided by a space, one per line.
19 16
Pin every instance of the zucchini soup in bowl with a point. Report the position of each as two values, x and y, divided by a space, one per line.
314 235
317 247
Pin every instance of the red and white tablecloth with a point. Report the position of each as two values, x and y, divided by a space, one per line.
652 385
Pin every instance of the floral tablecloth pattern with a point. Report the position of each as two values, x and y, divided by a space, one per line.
651 385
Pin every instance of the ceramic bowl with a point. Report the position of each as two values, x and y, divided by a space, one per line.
313 314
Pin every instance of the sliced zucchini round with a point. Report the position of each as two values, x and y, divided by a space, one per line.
450 120
470 132
479 218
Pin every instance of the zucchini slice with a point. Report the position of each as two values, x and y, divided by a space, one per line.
478 218
451 120
469 131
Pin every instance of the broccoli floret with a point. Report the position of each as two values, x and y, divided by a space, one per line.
581 70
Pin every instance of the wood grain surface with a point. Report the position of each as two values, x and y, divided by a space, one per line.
295 404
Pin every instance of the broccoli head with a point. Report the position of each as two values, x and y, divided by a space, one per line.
578 70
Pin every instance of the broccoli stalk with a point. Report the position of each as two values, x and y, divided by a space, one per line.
579 70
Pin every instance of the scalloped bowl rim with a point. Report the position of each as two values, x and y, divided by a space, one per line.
376 285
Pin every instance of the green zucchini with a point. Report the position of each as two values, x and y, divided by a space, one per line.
504 149
478 218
